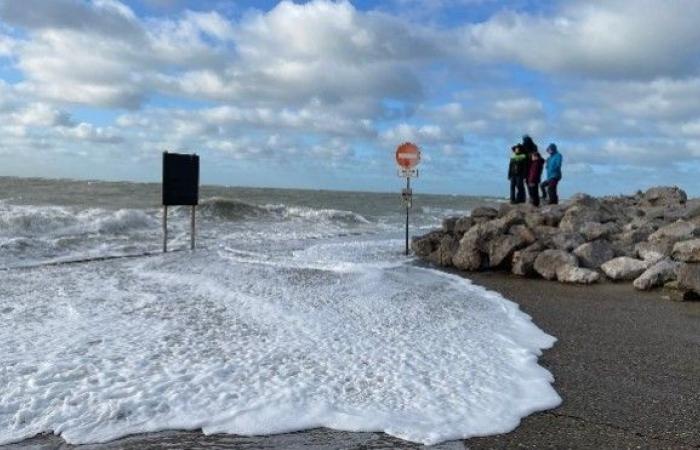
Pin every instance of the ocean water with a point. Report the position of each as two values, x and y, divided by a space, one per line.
297 310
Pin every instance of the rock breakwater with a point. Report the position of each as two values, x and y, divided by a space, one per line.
651 239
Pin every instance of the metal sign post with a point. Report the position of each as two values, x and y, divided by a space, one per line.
407 157
180 187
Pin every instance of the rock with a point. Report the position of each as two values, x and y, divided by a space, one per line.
632 236
424 245
567 241
523 262
534 219
547 262
689 278
677 231
506 208
664 196
484 212
524 233
577 215
446 249
581 199
624 268
687 251
596 230
653 251
573 274
552 214
481 234
594 254
463 225
545 232
513 217
448 224
679 295
656 275
501 249
623 248
468 255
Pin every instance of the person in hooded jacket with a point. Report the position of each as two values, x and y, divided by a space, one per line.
528 147
553 166
534 176
517 170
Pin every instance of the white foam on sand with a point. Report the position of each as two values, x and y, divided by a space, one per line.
341 336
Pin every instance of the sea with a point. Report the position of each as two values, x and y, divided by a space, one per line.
298 309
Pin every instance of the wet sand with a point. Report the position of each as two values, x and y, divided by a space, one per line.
627 365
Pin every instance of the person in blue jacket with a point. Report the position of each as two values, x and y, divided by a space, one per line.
553 166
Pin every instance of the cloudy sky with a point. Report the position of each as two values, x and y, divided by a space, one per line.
318 94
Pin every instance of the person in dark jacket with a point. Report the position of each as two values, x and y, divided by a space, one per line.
534 175
528 147
553 165
517 170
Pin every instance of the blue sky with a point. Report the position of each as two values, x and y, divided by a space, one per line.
318 94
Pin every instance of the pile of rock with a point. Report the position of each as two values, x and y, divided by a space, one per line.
652 238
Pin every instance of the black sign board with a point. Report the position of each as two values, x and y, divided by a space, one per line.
180 179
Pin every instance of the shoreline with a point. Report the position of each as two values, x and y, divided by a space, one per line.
626 363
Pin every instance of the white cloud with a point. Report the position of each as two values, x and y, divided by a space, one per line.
615 38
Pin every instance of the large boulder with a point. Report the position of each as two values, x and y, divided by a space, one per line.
484 212
634 235
572 274
687 251
680 295
523 262
448 224
524 233
567 241
501 249
677 231
442 256
657 275
689 278
577 215
664 196
653 251
468 255
596 230
463 225
594 254
624 268
424 245
547 262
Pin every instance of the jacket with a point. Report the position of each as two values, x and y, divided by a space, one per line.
534 173
554 166
517 166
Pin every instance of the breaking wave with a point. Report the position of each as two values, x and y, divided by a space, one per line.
25 221
235 210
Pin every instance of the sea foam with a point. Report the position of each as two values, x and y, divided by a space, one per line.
347 335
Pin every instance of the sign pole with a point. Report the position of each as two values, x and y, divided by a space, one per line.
192 227
408 207
165 228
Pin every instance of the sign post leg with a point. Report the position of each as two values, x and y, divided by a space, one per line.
165 229
408 189
192 228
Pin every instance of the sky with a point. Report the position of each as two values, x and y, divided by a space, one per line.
319 94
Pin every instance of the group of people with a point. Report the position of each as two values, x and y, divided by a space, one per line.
525 169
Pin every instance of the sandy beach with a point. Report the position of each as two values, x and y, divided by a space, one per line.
627 365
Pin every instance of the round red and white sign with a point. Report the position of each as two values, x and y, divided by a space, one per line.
407 155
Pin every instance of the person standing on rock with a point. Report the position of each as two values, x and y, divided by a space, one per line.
528 147
517 170
534 176
553 165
